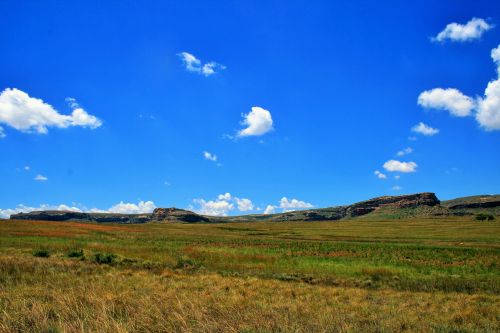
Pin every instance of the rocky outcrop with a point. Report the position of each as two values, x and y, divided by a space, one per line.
485 204
400 201
176 215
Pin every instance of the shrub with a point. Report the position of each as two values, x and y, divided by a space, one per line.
104 258
75 254
41 253
484 217
187 263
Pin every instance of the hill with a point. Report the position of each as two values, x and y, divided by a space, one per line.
404 206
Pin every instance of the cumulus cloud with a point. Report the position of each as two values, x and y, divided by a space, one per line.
244 205
450 99
487 108
294 204
424 129
270 209
398 166
405 151
380 175
40 178
6 213
213 207
193 64
457 32
121 208
488 111
258 122
210 156
130 208
32 115
221 206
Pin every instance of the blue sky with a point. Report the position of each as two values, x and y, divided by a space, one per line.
128 105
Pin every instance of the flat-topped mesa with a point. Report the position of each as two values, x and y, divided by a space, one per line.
400 201
176 215
64 215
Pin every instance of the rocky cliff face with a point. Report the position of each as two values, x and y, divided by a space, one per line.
401 201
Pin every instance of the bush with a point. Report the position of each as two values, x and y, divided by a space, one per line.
104 258
75 254
41 253
187 263
484 217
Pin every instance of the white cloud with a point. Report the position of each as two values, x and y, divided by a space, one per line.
258 122
270 209
222 205
397 177
380 175
72 102
488 111
2 133
226 196
195 65
473 29
40 178
450 99
424 129
5 213
213 207
244 205
398 166
130 208
488 108
121 208
294 204
397 188
405 151
210 156
33 115
27 168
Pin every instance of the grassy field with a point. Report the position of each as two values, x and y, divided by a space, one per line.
415 275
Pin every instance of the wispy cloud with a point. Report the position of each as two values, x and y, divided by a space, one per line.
193 64
40 178
405 151
424 129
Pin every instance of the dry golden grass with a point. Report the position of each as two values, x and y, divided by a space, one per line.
54 295
378 276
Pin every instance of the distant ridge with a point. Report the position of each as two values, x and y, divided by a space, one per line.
412 205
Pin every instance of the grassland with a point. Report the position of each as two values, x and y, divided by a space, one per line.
415 275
